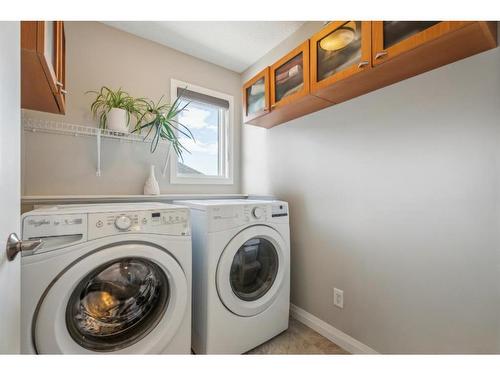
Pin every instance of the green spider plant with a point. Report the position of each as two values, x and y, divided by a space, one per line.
107 99
161 118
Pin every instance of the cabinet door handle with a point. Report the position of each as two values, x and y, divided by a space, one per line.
380 54
64 91
362 64
59 84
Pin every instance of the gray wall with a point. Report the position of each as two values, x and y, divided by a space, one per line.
394 195
394 199
99 55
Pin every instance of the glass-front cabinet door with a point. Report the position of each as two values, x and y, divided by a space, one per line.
290 76
390 38
256 98
339 50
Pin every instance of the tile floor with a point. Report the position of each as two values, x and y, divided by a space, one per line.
298 339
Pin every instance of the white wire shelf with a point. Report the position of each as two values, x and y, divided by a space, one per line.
59 127
35 125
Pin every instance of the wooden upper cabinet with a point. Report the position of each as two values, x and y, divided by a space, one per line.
289 90
256 96
338 51
43 66
347 59
392 38
290 76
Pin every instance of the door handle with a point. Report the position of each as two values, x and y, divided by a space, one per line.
380 54
15 246
362 64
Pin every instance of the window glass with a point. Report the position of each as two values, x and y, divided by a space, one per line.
208 116
204 121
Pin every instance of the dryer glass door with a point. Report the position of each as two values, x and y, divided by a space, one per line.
254 269
117 304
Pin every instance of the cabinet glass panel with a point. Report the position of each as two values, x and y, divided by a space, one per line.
396 31
289 77
339 49
50 48
256 97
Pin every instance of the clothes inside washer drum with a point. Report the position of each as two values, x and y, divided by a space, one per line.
117 304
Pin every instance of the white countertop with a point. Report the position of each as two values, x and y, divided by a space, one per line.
50 199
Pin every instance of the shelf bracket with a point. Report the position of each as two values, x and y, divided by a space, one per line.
98 137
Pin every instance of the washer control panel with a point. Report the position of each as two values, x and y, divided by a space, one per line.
42 226
174 222
123 222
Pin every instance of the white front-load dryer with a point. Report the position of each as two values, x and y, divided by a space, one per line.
241 273
107 279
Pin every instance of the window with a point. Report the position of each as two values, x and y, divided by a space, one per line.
209 116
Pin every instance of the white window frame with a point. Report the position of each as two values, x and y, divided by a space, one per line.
226 140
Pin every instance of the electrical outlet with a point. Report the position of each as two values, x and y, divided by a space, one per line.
338 298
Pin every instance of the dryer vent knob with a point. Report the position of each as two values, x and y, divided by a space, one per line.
257 212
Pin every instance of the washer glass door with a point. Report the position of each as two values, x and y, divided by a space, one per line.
129 298
116 304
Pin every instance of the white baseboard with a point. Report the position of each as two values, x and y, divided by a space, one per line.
333 334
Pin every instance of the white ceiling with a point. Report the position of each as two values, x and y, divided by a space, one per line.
234 45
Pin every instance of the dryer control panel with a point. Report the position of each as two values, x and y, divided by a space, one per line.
231 216
255 213
173 222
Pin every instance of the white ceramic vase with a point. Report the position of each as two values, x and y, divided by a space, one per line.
151 186
116 120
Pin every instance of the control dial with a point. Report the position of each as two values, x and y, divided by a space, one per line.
123 222
257 212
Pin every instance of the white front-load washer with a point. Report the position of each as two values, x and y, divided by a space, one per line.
241 273
107 278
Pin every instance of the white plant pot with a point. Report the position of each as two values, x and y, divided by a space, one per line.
117 120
